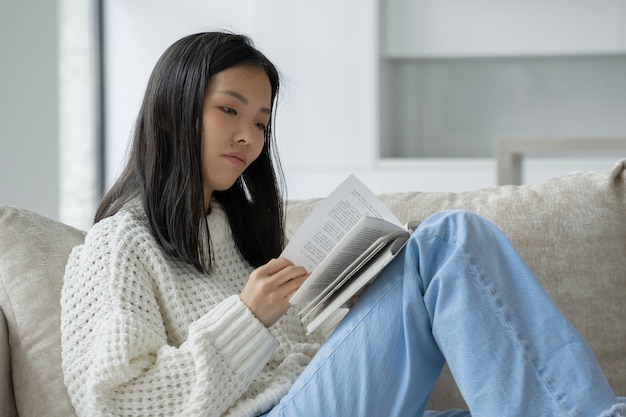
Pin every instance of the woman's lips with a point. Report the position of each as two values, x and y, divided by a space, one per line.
236 158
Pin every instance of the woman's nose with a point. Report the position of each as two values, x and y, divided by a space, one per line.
247 135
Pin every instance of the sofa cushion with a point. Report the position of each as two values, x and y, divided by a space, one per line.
570 230
33 253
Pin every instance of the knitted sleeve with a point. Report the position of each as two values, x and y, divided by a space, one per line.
116 357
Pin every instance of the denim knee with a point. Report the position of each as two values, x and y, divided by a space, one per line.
453 224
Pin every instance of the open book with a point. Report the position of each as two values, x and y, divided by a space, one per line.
344 243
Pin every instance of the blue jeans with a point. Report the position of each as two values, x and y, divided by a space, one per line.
460 293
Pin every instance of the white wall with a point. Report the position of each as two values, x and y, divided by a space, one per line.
457 28
328 118
326 50
458 74
28 106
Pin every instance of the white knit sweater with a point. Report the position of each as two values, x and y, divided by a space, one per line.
144 334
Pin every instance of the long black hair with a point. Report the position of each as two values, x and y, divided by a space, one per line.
164 167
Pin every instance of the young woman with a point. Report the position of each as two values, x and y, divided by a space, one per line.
177 303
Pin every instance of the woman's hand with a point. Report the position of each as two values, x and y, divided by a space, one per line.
270 287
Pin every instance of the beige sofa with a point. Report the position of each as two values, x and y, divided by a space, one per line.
571 231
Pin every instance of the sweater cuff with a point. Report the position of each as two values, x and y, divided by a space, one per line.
235 331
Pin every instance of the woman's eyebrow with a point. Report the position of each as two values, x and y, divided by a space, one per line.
244 100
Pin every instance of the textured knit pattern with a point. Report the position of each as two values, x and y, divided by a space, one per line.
618 410
144 334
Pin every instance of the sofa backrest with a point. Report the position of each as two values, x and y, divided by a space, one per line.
33 253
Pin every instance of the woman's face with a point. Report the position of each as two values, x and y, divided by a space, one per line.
237 108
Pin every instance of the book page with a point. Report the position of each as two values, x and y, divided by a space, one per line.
391 243
357 241
333 219
321 309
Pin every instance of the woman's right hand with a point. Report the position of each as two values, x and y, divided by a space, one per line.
270 287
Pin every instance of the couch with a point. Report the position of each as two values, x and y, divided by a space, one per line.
571 230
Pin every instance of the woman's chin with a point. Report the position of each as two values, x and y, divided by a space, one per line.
222 185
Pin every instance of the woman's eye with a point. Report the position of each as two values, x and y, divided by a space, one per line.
229 110
261 126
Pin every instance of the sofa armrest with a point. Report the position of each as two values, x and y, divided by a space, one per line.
7 401
33 253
